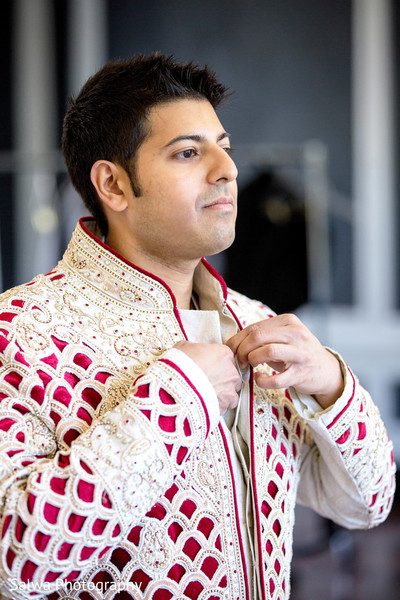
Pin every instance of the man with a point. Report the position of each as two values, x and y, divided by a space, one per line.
156 427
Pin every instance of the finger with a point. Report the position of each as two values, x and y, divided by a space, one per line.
229 401
276 321
274 382
285 329
238 386
276 354
265 345
235 341
237 381
245 341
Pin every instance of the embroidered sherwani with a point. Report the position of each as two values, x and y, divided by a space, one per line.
119 479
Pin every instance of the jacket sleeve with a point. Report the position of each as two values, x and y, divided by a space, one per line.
60 511
348 469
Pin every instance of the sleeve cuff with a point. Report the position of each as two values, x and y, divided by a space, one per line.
311 410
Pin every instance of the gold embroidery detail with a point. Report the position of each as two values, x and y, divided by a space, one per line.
77 261
135 449
38 437
275 395
206 477
41 314
32 338
156 552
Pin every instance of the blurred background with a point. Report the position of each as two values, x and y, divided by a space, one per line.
316 136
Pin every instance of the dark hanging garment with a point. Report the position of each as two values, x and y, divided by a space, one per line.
268 259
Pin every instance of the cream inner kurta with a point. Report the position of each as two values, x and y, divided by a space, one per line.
205 326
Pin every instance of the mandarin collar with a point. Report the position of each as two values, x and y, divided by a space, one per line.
111 274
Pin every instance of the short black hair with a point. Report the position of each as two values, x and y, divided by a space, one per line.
107 119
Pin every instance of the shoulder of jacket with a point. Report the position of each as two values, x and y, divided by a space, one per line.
247 309
33 289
